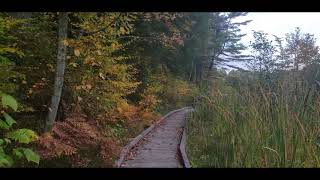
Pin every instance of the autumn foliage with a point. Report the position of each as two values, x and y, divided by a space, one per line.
121 74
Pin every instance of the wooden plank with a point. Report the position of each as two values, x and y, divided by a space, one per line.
182 147
183 150
126 149
167 164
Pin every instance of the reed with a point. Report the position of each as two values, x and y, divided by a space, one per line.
255 127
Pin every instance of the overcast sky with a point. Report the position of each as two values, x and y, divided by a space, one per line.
280 23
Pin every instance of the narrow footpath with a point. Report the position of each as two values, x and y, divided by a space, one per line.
160 147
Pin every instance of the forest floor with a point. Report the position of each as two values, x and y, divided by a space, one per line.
160 147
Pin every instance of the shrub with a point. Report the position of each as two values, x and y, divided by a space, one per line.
12 140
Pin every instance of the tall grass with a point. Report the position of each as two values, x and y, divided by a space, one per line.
254 126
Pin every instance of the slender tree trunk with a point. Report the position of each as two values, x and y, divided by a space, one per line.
195 73
59 77
191 71
205 41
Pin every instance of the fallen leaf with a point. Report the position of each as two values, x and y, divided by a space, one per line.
101 76
65 42
94 64
88 60
77 52
88 86
73 64
50 66
122 30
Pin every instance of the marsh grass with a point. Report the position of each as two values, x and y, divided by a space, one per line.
255 126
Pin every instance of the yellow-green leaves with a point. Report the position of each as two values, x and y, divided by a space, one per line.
17 153
4 50
28 153
9 120
5 160
3 125
31 156
8 101
24 136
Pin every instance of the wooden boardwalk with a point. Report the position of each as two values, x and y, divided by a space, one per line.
159 147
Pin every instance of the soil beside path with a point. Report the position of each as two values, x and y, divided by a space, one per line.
160 147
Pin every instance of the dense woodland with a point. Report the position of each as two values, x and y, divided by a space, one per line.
76 87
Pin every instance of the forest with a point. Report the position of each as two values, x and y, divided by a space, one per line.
77 87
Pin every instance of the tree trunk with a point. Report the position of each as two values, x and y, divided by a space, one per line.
191 71
58 82
199 69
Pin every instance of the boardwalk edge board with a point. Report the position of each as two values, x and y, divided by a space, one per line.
183 146
127 148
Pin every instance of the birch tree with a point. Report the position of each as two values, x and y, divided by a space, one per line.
60 68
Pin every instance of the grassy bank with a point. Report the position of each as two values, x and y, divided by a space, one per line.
254 126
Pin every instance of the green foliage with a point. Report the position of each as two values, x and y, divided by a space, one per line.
19 136
9 101
9 120
8 52
5 160
103 78
301 49
27 153
263 51
4 125
24 136
121 69
242 123
225 38
177 94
